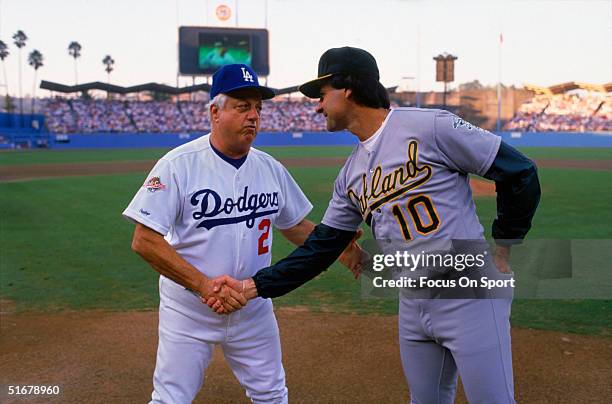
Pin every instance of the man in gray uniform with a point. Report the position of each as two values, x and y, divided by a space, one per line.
408 180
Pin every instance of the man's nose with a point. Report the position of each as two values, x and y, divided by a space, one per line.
253 114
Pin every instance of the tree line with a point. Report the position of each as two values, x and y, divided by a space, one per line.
36 60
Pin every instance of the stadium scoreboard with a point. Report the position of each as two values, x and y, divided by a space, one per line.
203 50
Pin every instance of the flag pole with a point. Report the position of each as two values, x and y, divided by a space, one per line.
499 73
236 23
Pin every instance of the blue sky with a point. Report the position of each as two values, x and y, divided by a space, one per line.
546 42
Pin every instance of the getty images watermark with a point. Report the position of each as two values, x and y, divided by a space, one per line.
465 269
420 262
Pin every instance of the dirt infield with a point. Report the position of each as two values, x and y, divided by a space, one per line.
482 188
39 171
102 357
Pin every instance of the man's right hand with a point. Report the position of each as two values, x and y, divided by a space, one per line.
225 293
245 288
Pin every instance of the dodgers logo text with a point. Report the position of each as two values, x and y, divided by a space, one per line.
211 205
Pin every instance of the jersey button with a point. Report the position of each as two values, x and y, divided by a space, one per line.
378 210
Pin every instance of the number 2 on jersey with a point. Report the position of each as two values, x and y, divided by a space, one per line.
261 247
433 221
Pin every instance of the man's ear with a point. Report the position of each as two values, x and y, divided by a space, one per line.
347 93
214 112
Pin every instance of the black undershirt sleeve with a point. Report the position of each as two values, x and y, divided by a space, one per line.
319 251
518 194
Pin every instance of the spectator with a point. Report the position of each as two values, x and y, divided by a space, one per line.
577 111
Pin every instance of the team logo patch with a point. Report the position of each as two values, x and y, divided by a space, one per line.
154 185
459 123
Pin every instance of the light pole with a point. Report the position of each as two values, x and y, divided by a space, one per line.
445 71
411 78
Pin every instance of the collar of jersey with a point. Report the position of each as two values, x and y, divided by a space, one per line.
236 163
369 143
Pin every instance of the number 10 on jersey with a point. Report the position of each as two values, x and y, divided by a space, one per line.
417 207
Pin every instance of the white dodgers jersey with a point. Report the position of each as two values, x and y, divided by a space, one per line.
217 217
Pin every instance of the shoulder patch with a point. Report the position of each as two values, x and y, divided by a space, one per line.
154 185
458 123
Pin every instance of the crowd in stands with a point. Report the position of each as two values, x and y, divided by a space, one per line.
195 115
94 115
291 116
59 116
579 111
156 116
602 120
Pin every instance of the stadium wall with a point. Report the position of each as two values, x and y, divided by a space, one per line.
23 139
557 139
9 121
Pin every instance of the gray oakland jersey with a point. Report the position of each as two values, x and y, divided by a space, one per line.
414 183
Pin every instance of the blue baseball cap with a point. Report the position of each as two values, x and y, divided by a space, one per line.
236 76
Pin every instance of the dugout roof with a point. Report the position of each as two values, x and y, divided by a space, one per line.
156 87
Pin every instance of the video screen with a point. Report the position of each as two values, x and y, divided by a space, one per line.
216 50
203 50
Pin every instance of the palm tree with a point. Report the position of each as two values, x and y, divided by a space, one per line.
20 39
35 59
3 54
109 62
74 50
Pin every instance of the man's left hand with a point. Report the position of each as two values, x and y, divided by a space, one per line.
501 258
354 256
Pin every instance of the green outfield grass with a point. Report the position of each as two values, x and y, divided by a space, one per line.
64 245
24 157
568 153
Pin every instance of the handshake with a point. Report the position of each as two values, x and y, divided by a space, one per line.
226 295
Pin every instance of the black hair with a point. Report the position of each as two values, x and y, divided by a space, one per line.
365 91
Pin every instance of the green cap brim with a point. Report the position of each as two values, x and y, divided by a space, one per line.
312 88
